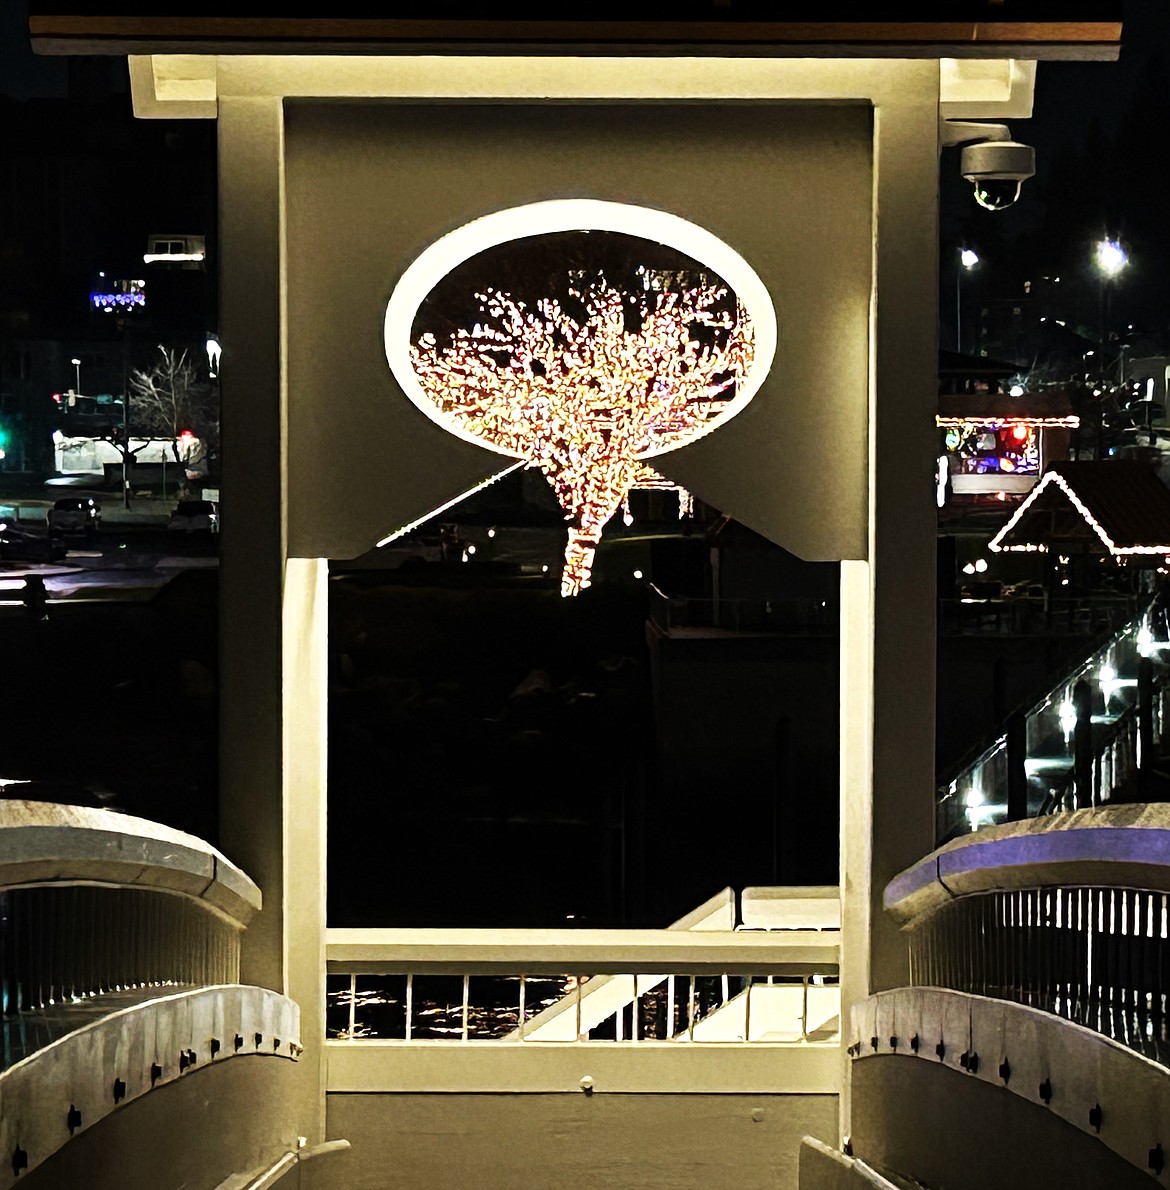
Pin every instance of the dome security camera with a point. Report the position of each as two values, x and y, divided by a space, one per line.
997 169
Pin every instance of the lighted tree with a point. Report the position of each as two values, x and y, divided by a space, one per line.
586 384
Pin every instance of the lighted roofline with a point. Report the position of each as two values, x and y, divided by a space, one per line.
514 224
1052 476
1071 422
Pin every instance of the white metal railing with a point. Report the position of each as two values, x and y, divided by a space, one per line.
718 1008
583 985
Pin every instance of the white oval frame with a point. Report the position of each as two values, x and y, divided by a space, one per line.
575 214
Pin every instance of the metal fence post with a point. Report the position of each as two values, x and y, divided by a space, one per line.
1145 692
1017 774
1083 745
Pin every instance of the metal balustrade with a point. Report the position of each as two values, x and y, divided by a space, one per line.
1067 914
1089 740
477 1008
96 904
1026 616
119 970
697 983
60 945
1096 956
800 615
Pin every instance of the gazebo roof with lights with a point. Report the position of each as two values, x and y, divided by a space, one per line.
1118 508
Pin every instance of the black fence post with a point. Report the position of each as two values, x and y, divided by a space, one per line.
1145 710
1017 774
1083 745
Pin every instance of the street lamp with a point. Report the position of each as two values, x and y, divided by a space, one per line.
77 366
968 259
1111 260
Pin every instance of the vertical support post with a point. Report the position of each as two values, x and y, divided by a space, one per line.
251 165
888 604
273 610
1083 745
1017 773
1145 710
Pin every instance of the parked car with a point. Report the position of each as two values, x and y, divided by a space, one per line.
74 515
195 516
19 545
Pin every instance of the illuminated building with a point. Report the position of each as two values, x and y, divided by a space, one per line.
1001 444
336 171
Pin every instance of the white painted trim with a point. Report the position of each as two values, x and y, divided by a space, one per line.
576 214
593 952
171 86
643 1067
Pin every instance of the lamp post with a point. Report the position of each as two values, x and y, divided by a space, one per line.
1110 259
968 259
77 368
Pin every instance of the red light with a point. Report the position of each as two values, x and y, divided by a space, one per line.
57 398
186 437
1019 433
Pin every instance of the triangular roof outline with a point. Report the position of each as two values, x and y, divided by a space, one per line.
1124 505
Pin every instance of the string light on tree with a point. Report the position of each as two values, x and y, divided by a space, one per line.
582 353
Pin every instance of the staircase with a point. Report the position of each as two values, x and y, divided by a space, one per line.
1099 735
724 1007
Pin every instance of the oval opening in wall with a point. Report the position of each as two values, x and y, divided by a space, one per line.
582 337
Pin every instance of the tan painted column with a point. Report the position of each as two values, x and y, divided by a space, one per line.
888 603
272 611
306 716
253 530
903 518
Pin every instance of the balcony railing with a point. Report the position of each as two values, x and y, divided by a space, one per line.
1086 742
1030 616
515 1010
779 616
1070 915
639 1008
119 968
1039 970
769 974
